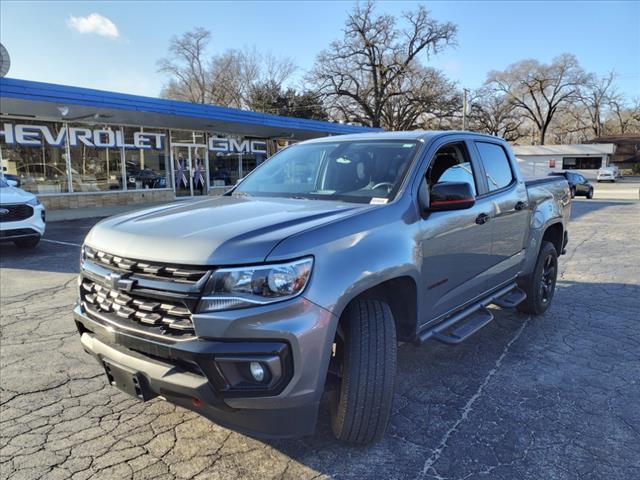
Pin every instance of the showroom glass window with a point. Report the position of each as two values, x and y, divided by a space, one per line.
224 166
146 168
95 167
188 136
40 167
234 157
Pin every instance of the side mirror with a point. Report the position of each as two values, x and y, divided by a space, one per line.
451 196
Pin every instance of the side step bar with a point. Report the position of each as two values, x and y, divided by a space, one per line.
477 320
512 299
476 315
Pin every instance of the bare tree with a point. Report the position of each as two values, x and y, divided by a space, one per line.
540 90
362 73
187 66
496 114
427 92
234 73
224 79
624 118
595 96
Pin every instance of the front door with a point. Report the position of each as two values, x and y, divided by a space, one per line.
189 169
456 244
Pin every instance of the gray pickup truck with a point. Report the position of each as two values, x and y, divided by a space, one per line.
299 283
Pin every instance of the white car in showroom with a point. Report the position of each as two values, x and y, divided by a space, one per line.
22 216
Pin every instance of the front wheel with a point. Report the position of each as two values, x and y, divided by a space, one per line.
541 286
365 364
590 194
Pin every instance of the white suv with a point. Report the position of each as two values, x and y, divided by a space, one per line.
607 174
22 217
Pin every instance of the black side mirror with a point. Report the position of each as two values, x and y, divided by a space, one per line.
451 196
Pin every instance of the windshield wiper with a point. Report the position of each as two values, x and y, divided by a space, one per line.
240 194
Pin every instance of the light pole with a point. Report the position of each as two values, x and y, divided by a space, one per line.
465 91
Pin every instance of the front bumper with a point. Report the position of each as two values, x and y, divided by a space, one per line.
34 226
187 373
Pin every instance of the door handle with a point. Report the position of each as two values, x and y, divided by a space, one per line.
520 206
482 218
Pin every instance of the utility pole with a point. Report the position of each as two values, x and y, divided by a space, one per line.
464 108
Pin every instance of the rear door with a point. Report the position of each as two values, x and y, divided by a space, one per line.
510 211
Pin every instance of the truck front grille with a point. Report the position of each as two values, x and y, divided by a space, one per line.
15 213
168 317
143 268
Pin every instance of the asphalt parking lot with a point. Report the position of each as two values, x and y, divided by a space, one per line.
556 396
622 189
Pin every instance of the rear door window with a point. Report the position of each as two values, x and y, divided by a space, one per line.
496 165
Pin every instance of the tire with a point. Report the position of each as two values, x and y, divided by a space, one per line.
540 287
29 242
573 192
590 194
363 398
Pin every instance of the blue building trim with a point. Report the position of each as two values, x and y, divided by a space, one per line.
63 94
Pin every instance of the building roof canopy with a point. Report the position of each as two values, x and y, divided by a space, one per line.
567 150
48 101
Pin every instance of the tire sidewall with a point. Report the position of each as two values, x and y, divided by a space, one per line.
546 251
347 408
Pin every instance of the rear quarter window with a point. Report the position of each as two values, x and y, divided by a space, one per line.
496 165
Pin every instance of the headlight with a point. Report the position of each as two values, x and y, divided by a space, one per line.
34 202
231 288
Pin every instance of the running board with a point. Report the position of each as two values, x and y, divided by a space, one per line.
479 319
476 315
512 299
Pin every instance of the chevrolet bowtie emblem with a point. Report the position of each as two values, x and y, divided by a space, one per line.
118 282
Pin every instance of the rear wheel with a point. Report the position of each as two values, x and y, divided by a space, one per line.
364 363
541 286
29 242
573 192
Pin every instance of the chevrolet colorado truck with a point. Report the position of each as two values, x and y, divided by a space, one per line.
299 283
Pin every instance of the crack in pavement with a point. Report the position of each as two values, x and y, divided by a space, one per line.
468 407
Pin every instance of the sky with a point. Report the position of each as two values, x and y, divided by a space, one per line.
115 45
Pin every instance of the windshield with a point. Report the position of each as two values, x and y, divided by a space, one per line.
352 171
3 183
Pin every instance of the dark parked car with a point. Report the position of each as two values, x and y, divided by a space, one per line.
146 176
578 184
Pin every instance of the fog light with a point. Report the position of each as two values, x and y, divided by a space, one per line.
257 371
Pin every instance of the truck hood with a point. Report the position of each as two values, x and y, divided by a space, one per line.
214 231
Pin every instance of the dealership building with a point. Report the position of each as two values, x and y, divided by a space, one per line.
78 147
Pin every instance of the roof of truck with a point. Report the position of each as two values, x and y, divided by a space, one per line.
406 135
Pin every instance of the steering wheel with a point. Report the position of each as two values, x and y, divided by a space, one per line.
389 185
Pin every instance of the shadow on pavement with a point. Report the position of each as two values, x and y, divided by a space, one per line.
58 251
582 207
556 356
